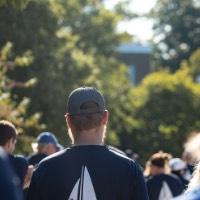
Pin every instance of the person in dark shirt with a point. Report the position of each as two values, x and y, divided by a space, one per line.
46 145
161 184
89 169
179 167
9 183
20 166
8 137
10 188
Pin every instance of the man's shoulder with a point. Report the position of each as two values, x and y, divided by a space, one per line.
54 157
118 153
157 179
120 157
172 180
116 150
112 155
49 163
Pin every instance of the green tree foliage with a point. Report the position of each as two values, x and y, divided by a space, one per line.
165 110
177 30
194 64
14 3
9 108
73 43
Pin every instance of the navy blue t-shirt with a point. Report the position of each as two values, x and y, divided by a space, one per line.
156 183
88 173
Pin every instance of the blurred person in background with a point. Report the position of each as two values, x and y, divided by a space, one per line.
19 164
46 145
161 184
8 136
14 171
193 190
131 154
22 169
188 159
9 184
179 167
191 154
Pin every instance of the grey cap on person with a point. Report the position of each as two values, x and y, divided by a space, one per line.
82 95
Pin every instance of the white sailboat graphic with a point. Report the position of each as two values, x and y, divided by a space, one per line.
83 189
165 193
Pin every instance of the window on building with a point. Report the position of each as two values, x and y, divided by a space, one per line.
132 73
198 78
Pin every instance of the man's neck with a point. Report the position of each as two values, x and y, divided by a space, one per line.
6 149
85 143
90 137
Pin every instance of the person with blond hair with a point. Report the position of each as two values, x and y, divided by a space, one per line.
161 184
193 190
191 154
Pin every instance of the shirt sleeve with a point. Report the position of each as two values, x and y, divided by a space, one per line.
139 189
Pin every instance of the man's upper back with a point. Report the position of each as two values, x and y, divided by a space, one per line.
157 185
89 173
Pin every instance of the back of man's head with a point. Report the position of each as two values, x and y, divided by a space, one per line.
86 107
7 132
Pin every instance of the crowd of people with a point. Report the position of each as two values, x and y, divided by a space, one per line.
89 169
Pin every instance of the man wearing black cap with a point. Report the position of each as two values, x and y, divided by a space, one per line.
88 170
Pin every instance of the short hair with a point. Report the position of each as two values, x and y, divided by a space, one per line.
87 121
7 132
160 159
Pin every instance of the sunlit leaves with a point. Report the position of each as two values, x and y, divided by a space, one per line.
15 3
167 105
176 31
11 110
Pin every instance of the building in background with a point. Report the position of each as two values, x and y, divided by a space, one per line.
137 57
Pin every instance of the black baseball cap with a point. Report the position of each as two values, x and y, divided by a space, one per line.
82 95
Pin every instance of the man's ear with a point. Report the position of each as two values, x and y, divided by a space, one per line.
67 119
10 145
105 117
